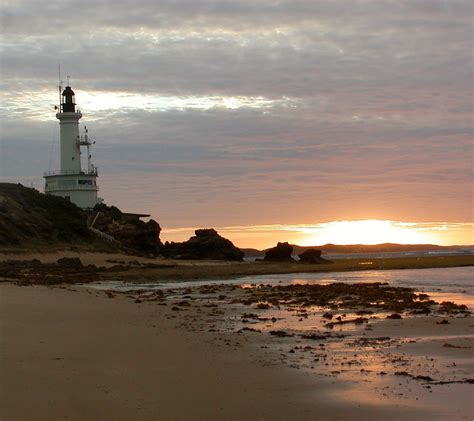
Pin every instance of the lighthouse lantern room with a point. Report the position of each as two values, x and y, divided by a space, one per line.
72 182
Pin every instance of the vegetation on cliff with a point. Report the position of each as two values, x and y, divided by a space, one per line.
30 217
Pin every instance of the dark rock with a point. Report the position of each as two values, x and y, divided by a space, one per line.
248 329
314 336
364 312
135 235
249 316
312 256
402 373
421 311
280 253
394 316
143 237
357 321
424 378
206 244
280 333
446 345
117 268
450 307
70 262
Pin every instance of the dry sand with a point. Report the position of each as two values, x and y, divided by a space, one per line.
75 354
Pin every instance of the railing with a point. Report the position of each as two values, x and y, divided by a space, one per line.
70 172
70 187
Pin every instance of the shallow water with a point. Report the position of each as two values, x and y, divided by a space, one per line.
452 284
368 370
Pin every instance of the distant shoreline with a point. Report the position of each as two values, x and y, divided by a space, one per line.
217 270
130 268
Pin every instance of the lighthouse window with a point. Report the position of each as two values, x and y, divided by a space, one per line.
85 182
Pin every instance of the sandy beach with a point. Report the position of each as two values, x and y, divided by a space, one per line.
69 352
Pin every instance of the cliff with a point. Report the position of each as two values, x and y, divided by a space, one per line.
30 217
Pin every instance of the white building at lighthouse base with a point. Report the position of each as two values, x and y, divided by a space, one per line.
78 187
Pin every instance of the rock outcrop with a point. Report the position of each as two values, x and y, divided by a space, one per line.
206 244
312 256
133 234
70 263
280 253
29 218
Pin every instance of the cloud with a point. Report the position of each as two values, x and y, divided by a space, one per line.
244 112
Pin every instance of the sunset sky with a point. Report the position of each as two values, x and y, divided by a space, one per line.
268 120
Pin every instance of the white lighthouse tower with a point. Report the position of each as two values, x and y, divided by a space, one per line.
71 181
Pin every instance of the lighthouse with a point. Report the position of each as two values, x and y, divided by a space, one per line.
72 181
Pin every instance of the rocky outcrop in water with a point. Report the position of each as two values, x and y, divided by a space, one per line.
206 244
280 253
312 256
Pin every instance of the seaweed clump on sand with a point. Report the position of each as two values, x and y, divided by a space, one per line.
377 296
66 270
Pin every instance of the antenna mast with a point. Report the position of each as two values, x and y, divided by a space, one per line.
59 85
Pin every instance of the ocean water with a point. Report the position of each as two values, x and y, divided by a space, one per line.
456 282
452 284
465 251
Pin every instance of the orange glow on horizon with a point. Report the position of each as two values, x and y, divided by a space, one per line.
340 232
366 232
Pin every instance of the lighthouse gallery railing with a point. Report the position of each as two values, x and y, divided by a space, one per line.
72 172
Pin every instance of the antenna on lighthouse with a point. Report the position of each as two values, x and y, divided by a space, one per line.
59 85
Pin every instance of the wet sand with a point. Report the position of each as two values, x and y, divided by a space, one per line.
75 353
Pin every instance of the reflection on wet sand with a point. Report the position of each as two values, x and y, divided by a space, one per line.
384 345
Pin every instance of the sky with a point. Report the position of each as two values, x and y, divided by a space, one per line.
268 120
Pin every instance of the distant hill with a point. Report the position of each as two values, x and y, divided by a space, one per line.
362 248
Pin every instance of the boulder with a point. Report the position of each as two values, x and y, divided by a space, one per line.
280 253
206 244
312 256
143 237
70 263
137 236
